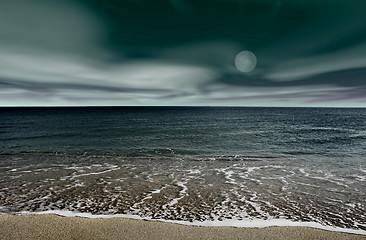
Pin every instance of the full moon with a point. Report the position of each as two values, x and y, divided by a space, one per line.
245 61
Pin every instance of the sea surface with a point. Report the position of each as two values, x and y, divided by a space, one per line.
188 164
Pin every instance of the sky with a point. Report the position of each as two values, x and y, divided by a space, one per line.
309 53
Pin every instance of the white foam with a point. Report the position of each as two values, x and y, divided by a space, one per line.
256 206
79 185
306 184
252 169
149 196
336 181
245 223
360 178
14 177
94 173
196 171
327 128
182 193
228 175
352 205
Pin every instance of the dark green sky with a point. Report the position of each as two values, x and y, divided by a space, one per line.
180 52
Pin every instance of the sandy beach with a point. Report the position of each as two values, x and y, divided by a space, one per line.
57 227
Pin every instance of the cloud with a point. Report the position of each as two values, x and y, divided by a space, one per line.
48 78
181 52
57 26
309 95
310 67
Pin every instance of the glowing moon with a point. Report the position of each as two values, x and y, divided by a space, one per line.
245 61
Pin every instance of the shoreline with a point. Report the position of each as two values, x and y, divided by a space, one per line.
52 226
244 223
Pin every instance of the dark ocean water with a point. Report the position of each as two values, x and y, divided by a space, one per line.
183 163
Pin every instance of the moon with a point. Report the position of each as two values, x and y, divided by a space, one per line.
245 61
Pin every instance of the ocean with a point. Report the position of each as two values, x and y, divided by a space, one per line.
235 166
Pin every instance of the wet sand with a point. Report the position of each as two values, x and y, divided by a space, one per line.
57 227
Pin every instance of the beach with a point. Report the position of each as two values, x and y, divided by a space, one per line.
58 227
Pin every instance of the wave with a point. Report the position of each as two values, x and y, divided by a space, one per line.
245 223
204 189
